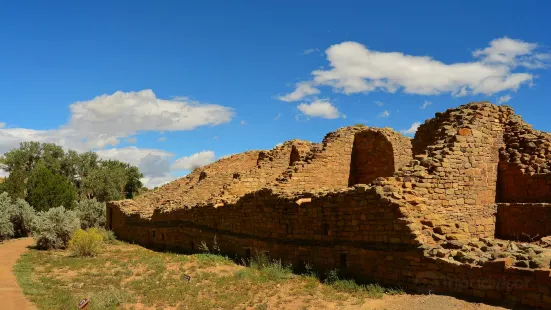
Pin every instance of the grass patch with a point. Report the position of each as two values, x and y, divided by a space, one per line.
125 275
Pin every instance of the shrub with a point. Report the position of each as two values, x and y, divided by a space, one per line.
107 235
15 217
86 242
22 217
54 228
6 227
91 213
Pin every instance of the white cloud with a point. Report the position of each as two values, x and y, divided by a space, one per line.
277 116
504 99
151 182
384 114
194 161
379 103
106 120
411 130
161 139
243 122
357 69
319 108
302 90
310 51
151 162
513 53
425 104
132 140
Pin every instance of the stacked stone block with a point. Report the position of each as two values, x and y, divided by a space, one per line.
428 227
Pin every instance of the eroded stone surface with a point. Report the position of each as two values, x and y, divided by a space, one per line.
426 220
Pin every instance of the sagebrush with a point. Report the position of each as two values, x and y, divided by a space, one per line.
16 217
53 229
91 213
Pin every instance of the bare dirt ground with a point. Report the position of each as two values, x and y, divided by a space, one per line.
11 295
422 302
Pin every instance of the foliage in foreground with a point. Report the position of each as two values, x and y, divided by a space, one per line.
53 229
86 242
16 217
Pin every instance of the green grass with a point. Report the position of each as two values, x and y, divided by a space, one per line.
124 275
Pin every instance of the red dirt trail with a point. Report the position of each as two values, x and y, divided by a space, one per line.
11 295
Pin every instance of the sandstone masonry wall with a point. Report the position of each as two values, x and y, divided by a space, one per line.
525 164
378 153
428 227
461 159
327 166
523 221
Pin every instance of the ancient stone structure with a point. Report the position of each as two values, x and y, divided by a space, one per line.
459 209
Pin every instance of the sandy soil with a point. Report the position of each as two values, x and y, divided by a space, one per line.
11 295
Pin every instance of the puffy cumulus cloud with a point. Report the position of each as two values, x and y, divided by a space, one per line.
121 114
319 108
504 99
194 161
302 90
104 121
513 53
151 162
425 104
411 130
11 138
354 68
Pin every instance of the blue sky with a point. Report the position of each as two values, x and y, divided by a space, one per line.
171 85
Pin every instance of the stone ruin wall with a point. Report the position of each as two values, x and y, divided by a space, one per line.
378 153
324 166
419 228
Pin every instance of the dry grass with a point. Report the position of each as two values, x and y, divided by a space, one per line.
127 276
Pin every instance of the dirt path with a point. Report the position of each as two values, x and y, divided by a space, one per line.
11 295
426 302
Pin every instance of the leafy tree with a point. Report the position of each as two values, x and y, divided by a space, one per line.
25 157
48 190
133 184
14 185
105 183
90 176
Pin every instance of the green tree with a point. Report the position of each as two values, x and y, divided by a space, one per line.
90 176
105 183
15 185
46 190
